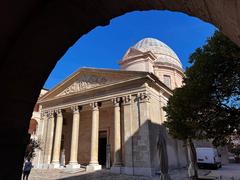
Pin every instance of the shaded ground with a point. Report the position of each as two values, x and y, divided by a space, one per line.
38 174
228 172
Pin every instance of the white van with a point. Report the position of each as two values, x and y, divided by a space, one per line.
208 158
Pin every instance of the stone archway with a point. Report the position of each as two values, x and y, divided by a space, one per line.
34 35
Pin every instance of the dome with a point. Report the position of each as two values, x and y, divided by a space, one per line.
165 55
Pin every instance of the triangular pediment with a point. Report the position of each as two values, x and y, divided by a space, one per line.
85 82
86 79
132 52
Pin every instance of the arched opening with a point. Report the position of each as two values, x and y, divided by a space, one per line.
32 127
48 29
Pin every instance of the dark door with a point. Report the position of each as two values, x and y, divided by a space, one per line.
102 143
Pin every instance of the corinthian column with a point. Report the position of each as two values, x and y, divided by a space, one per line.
57 140
73 163
93 164
117 137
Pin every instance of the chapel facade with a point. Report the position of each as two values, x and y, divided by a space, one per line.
111 118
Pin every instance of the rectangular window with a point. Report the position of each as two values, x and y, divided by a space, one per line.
167 80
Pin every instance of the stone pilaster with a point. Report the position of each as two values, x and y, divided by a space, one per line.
57 140
142 156
39 134
49 138
43 139
117 136
144 100
162 112
73 163
128 149
93 164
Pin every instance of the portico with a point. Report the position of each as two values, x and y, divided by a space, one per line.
93 124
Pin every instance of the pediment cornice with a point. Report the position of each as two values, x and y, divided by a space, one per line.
87 79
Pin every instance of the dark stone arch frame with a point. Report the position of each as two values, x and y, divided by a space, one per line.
35 35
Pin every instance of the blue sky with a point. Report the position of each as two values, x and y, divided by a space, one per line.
103 47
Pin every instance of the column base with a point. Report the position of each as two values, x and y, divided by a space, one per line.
93 167
116 169
54 165
73 166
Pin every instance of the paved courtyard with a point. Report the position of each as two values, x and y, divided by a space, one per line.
99 175
229 172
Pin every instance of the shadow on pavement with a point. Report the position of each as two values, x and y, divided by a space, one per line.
105 175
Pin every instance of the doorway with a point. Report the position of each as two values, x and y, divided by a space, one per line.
102 143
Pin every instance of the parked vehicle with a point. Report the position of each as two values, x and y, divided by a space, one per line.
208 158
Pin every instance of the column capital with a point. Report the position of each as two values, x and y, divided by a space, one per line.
116 101
43 114
58 112
76 108
143 97
50 113
95 105
127 99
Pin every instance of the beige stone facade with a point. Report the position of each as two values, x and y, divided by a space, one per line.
121 109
